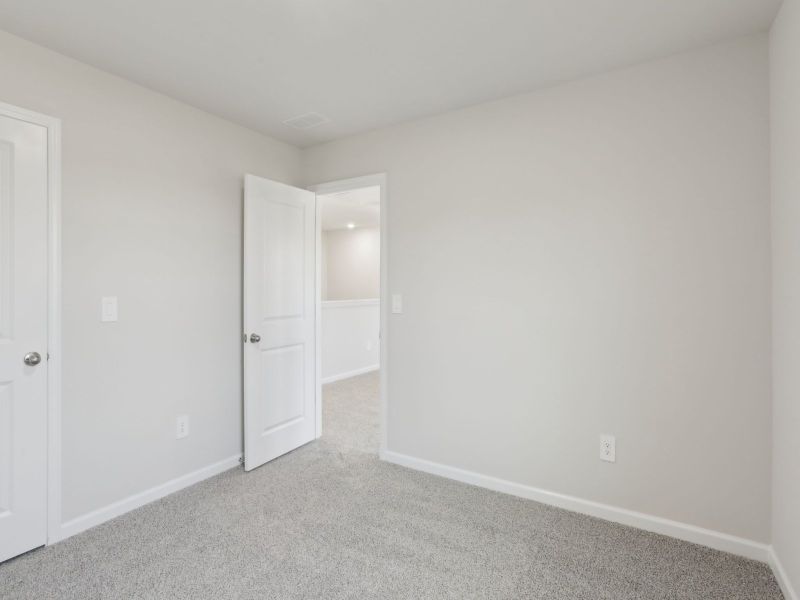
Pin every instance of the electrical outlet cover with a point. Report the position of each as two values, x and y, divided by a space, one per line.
182 427
608 448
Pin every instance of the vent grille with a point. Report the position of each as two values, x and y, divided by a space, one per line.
307 121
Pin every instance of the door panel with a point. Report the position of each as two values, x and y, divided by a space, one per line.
279 287
6 238
284 246
6 447
23 329
283 386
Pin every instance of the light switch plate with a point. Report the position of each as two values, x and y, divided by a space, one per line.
108 309
397 304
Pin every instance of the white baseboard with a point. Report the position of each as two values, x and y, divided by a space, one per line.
789 592
349 374
690 533
101 515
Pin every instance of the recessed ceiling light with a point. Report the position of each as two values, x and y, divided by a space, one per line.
351 225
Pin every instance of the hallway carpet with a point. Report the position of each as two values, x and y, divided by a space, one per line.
331 521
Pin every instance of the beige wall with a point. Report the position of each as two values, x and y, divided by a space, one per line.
785 71
351 263
592 258
152 197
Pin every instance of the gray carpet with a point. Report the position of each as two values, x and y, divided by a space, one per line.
331 521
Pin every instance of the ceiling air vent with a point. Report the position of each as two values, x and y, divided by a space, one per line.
307 121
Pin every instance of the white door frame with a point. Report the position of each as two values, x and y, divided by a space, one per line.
344 185
53 127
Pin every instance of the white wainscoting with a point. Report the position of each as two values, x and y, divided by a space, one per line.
350 343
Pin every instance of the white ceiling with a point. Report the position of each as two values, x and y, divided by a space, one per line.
364 64
361 207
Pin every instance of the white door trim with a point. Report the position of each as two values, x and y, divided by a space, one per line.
343 185
53 127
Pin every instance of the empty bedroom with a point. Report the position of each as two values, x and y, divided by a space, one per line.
382 299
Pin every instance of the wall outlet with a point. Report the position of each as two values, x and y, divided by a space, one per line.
608 448
368 345
182 427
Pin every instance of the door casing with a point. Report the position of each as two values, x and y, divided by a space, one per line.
343 185
54 359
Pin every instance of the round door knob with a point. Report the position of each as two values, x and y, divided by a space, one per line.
255 338
33 358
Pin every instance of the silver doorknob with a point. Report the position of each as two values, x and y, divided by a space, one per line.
33 358
255 338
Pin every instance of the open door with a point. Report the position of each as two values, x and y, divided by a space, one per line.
279 319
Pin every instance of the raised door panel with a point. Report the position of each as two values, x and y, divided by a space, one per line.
279 288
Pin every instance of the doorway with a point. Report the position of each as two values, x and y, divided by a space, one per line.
284 328
352 320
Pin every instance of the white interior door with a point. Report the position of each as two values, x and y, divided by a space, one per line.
23 336
279 319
